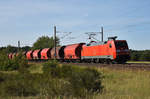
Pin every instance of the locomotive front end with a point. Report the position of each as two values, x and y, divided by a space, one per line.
122 51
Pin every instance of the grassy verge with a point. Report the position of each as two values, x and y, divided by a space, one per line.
125 84
35 68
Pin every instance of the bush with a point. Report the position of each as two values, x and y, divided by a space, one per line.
18 85
56 80
82 81
7 64
142 55
51 68
26 84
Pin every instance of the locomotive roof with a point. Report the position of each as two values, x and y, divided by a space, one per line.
96 43
74 44
93 43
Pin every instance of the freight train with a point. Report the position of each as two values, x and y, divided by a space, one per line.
110 51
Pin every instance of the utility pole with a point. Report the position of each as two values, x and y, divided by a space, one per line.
102 33
55 41
18 46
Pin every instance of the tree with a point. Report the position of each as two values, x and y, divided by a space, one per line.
11 49
45 42
140 55
145 56
25 48
135 55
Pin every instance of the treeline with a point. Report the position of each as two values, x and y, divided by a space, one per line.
14 49
41 42
140 55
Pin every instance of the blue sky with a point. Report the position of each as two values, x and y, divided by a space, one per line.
26 20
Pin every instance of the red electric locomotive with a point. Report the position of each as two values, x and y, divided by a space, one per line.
109 51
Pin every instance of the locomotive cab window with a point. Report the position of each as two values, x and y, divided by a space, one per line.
121 44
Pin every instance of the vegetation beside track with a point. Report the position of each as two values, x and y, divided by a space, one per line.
118 84
123 83
30 81
49 80
139 62
140 55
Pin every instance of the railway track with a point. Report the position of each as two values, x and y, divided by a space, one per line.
132 66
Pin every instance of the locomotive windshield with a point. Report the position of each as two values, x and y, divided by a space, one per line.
121 44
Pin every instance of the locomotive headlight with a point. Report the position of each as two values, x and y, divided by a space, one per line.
118 51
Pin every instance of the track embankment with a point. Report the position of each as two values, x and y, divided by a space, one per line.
132 66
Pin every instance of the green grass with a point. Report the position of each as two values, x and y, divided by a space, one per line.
35 68
125 84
